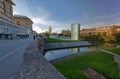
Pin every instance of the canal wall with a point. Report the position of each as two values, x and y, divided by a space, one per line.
35 66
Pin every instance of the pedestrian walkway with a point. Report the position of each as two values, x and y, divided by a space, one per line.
35 66
108 52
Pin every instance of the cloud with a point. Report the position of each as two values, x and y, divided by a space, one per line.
42 12
37 29
44 24
40 16
15 12
109 16
94 25
42 21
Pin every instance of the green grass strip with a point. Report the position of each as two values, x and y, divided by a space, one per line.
102 62
54 40
114 50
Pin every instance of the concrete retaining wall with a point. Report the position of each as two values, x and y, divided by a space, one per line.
35 66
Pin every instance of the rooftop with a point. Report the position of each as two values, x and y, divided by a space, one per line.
20 16
10 2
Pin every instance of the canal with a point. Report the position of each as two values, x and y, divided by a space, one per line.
55 54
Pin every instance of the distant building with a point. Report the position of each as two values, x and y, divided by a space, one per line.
95 31
34 32
6 10
108 31
50 30
23 21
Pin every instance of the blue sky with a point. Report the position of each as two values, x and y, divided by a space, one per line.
60 14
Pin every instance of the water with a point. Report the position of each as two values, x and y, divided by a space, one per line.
52 55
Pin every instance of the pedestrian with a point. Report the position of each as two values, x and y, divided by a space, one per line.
34 37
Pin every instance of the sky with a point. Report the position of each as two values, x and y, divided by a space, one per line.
60 14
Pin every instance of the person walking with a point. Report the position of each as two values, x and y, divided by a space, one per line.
34 37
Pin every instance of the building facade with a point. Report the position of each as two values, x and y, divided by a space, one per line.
109 32
8 30
6 10
24 22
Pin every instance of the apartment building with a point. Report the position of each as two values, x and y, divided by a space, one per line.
6 10
108 31
8 30
23 21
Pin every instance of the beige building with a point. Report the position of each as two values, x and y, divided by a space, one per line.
8 30
94 31
108 31
6 10
23 21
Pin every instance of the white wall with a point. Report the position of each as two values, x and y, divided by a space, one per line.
75 31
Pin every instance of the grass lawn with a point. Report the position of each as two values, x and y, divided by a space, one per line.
114 50
54 40
100 61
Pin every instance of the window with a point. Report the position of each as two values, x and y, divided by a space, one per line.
18 23
4 7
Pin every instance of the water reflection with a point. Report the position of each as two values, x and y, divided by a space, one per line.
75 50
51 55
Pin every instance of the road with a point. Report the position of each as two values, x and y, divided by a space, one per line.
11 56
